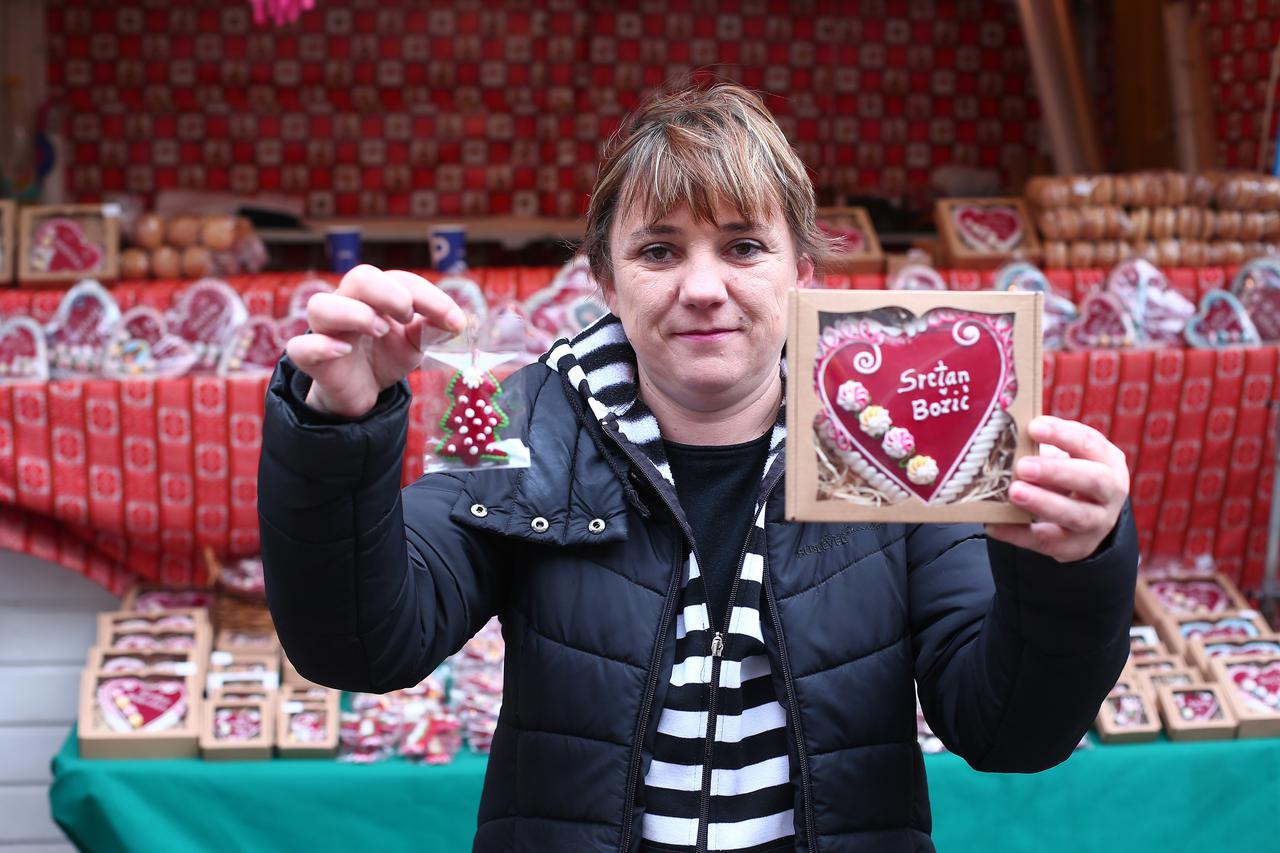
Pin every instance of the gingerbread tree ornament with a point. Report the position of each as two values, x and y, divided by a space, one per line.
472 421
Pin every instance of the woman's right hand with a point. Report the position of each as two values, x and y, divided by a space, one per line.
366 336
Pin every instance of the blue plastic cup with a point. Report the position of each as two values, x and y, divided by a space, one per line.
449 248
344 247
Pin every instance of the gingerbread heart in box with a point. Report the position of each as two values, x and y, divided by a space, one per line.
205 315
916 277
172 599
1257 286
918 406
23 357
1221 322
1258 684
134 705
253 347
993 228
141 346
237 723
1183 596
1103 323
78 332
1197 705
62 245
1160 314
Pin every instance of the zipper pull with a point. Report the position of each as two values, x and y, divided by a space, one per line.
717 645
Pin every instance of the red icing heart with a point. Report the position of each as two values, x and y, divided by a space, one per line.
1159 313
1222 321
172 599
1103 322
975 385
290 327
1197 704
79 329
852 239
304 291
142 346
237 723
1258 684
1257 285
61 245
254 345
22 351
133 705
1190 596
205 314
989 227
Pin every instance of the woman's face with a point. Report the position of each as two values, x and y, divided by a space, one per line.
704 304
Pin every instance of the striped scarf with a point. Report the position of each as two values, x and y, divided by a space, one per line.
748 774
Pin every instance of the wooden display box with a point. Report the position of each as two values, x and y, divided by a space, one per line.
983 233
161 630
1230 624
242 669
234 641
251 743
862 252
8 242
1154 663
172 661
252 692
1251 686
1157 598
138 715
1199 653
149 597
67 243
1144 636
308 728
1152 680
1127 717
906 408
1196 711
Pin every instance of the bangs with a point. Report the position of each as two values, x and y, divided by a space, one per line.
674 165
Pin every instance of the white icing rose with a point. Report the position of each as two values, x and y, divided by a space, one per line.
853 396
875 421
922 470
899 443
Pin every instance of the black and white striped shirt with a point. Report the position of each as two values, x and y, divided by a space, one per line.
734 794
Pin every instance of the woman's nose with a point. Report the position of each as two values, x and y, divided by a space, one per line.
703 284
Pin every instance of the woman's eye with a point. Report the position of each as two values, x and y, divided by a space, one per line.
745 249
656 253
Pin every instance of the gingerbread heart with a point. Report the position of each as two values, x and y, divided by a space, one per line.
468 295
851 239
1258 684
205 315
307 726
172 599
1197 704
916 277
550 309
990 228
237 724
61 245
303 292
1103 323
1221 322
1160 314
292 326
141 346
124 664
1260 647
255 346
1058 310
915 405
134 705
23 357
1180 596
79 330
1257 285
1228 627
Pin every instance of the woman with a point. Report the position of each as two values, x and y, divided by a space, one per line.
685 669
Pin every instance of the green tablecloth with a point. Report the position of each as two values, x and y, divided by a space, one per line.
1161 796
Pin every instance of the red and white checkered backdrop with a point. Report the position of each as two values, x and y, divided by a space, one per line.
1240 36
370 107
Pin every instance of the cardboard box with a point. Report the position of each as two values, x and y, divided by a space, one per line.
1159 597
1229 624
983 233
242 669
178 662
1251 686
237 730
150 597
1151 680
162 630
1200 653
1127 717
861 252
234 641
909 406
1154 663
143 715
67 243
308 729
8 240
1196 711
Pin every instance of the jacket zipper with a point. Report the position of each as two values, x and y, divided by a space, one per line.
806 799
704 815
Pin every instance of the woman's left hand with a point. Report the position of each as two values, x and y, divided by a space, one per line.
1074 490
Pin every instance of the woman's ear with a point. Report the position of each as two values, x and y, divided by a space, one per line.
607 293
804 272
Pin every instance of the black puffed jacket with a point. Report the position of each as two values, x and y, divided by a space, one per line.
372 586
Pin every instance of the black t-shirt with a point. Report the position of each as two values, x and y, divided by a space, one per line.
718 486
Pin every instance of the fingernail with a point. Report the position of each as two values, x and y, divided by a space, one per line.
341 348
1017 493
456 319
380 327
1028 469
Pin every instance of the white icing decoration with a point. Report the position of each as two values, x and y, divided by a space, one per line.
922 470
867 362
856 461
852 396
875 421
898 443
966 333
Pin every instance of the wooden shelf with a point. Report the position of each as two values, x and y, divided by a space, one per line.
512 232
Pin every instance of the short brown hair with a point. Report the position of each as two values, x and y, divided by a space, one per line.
698 146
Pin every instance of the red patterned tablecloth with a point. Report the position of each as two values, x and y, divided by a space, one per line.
133 480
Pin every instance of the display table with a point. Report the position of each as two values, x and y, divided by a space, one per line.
1160 796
